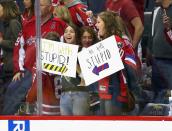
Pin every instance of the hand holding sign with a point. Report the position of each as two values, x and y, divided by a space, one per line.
100 60
59 58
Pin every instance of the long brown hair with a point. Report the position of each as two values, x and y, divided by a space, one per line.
122 25
10 10
111 24
77 33
91 31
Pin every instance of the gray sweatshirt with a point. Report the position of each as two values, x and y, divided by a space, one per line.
160 46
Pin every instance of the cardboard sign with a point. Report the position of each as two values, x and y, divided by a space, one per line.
59 58
100 60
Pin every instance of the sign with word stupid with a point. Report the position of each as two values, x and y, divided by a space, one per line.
100 60
59 58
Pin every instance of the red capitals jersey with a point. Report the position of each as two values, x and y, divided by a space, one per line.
78 13
26 57
128 57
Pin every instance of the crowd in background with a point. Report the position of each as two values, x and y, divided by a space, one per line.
144 40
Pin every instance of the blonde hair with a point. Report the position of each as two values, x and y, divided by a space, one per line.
63 13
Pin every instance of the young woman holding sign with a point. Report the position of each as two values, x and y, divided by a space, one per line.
88 37
74 99
113 89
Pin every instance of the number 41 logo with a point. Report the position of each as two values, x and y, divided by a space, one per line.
18 125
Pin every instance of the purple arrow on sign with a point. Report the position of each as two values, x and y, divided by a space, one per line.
96 70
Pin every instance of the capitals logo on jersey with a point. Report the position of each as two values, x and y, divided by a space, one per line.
31 40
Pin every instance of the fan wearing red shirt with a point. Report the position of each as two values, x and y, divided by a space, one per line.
24 57
139 4
130 15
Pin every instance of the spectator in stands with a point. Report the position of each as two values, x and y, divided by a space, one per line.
157 4
22 81
50 103
27 16
28 13
131 17
161 52
10 27
74 99
88 38
110 94
10 16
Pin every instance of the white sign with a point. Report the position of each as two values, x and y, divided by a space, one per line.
100 60
59 58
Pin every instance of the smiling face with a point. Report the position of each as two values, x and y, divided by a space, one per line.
69 35
100 25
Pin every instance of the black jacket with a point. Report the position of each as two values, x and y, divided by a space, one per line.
10 34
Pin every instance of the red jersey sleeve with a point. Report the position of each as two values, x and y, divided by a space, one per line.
79 16
81 10
60 26
126 52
